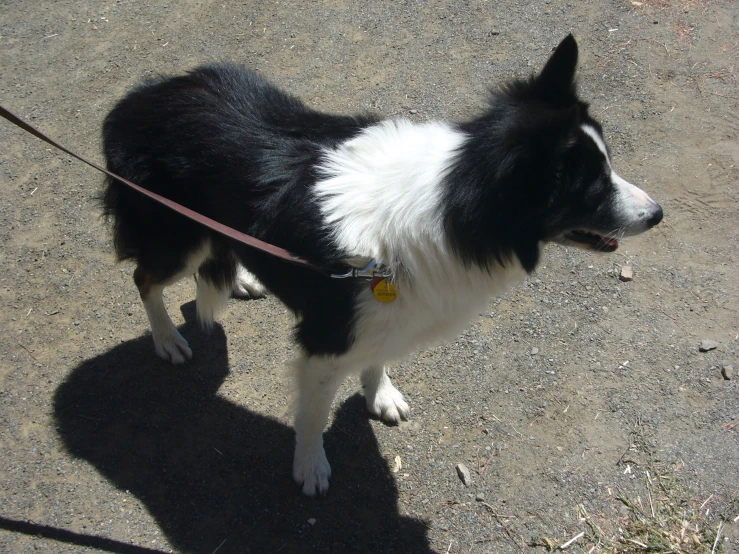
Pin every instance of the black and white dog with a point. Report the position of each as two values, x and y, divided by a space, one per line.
457 211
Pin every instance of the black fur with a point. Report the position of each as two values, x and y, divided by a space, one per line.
524 169
224 142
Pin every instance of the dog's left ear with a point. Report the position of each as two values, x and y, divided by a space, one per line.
556 82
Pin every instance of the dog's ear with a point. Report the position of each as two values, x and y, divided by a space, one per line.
556 82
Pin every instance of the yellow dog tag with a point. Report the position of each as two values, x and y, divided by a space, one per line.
384 289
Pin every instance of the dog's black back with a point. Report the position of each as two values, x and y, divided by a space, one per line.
225 143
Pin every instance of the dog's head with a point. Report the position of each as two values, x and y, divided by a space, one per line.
591 205
536 169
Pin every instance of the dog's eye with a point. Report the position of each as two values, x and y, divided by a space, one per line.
595 193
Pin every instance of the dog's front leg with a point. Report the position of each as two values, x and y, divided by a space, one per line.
383 399
318 379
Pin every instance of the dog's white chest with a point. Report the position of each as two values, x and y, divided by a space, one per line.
428 310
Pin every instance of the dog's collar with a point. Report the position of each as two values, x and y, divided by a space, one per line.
371 271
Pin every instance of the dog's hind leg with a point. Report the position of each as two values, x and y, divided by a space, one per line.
246 285
168 343
318 379
210 299
383 399
153 273
215 280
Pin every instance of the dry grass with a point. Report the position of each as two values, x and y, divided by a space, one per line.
662 515
668 519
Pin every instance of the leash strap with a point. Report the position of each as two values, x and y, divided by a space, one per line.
179 208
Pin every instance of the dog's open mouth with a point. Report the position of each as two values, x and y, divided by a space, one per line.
592 240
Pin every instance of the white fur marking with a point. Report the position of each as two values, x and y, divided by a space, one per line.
168 343
627 189
209 300
383 399
317 379
381 193
593 133
311 468
247 285
634 206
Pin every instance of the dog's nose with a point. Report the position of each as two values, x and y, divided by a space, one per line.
656 218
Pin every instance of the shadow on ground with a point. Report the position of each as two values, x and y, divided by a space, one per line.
209 470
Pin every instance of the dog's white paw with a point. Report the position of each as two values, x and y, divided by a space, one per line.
247 286
171 346
387 403
311 469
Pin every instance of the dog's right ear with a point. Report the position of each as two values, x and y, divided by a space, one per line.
556 82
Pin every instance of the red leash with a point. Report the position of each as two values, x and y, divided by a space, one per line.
187 212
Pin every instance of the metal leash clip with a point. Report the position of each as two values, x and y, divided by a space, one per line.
370 271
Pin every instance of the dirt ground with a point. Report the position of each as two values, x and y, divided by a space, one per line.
580 403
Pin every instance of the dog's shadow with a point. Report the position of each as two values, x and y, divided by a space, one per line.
218 476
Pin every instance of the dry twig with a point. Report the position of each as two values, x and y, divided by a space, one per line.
29 352
572 540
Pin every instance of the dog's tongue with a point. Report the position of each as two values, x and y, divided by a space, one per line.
611 242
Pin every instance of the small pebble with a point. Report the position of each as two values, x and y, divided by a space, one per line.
464 474
626 273
534 351
707 345
312 521
480 497
413 111
727 372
